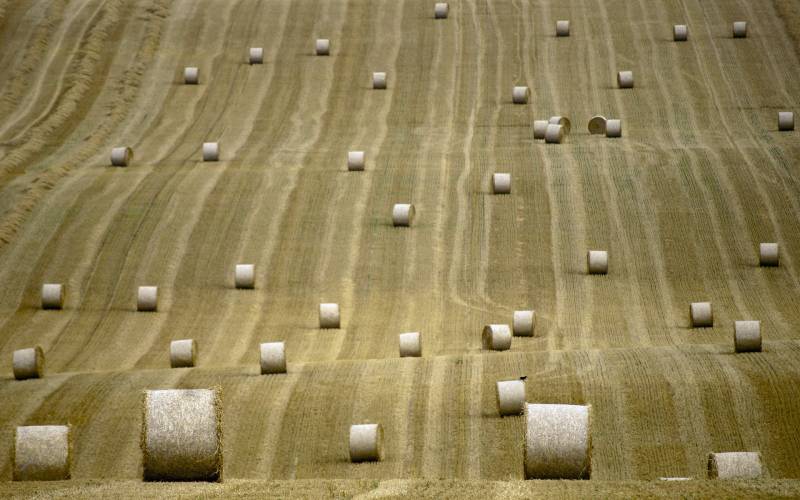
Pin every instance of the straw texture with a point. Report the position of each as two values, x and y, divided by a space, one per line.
524 323
701 315
366 442
561 120
273 358
558 443
41 453
410 345
496 338
597 125
747 336
735 465
28 363
121 157
329 316
244 276
53 296
510 397
182 353
147 298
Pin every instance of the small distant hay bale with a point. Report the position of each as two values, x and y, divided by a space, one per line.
768 254
182 435
273 358
675 479
329 315
554 134
613 128
740 29
53 296
510 397
597 261
524 323
41 453
355 160
625 79
735 465
561 120
558 441
441 10
210 151
323 47
366 443
256 55
121 157
747 336
597 125
539 128
147 298
496 338
680 32
520 95
701 314
410 345
379 80
182 353
501 183
28 363
403 214
245 276
562 28
191 75
785 121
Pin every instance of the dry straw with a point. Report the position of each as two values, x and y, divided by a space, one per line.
256 55
410 345
734 465
523 324
597 125
740 29
554 134
191 75
561 120
403 214
53 296
680 32
520 95
121 157
323 47
501 183
785 121
558 442
510 397
562 28
625 79
182 353
747 336
28 363
379 80
244 276
210 151
366 442
768 254
441 10
147 298
355 160
613 128
496 338
41 453
329 315
597 262
182 435
539 129
273 358
701 315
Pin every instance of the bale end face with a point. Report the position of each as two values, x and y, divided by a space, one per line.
244 276
561 120
701 315
735 465
355 160
680 32
501 183
379 80
441 10
210 151
53 296
524 322
785 121
256 55
597 125
410 345
496 338
182 353
510 397
558 443
403 214
322 47
28 363
273 358
562 28
121 157
768 255
147 298
41 453
597 262
366 443
740 29
191 75
329 316
747 336
625 79
520 95
613 128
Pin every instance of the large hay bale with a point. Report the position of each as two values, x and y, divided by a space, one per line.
520 95
613 128
734 465
182 353
558 441
410 345
366 443
539 129
53 296
740 29
625 79
680 32
701 315
747 336
28 363
329 315
768 254
441 10
41 453
379 80
562 28
496 338
210 151
501 183
121 157
597 262
561 120
191 75
554 134
256 55
597 125
403 214
355 160
523 324
182 435
785 121
510 397
273 358
322 47
244 276
147 298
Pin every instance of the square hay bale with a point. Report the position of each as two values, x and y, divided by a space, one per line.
735 465
41 453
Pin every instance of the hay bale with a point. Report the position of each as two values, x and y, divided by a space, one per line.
539 128
182 353
355 160
554 134
520 95
735 465
496 338
597 125
613 128
323 47
273 358
121 157
675 479
785 121
147 298
561 120
182 435
740 29
41 453
701 314
210 151
403 214
244 276
256 55
410 345
747 336
53 296
501 183
510 397
366 443
28 363
558 441
768 254
562 28
379 80
191 75
524 322
597 262
680 32
441 10
625 79
329 315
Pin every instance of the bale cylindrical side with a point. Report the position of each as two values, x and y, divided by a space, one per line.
28 363
501 183
613 128
410 345
747 336
244 276
597 125
53 296
355 160
735 465
554 134
41 453
510 397
182 435
403 214
379 80
182 353
625 79
121 157
558 441
768 254
329 315
539 129
147 298
675 479
496 338
191 75
524 323
785 121
680 32
597 262
520 95
322 47
273 358
210 151
256 55
366 443
562 28
441 10
701 314
740 29
561 120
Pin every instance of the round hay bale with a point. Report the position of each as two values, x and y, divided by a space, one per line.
675 479
597 262
597 125
680 32
191 75
554 134
539 129
747 336
323 47
524 322
379 80
520 95
147 298
53 296
510 397
562 28
182 435
403 214
614 128
245 276
785 121
410 345
210 151
561 120
734 465
558 441
496 338
256 55
355 160
182 353
41 453
28 363
701 314
625 79
501 183
768 254
329 315
121 157
441 10
273 358
366 443
740 29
